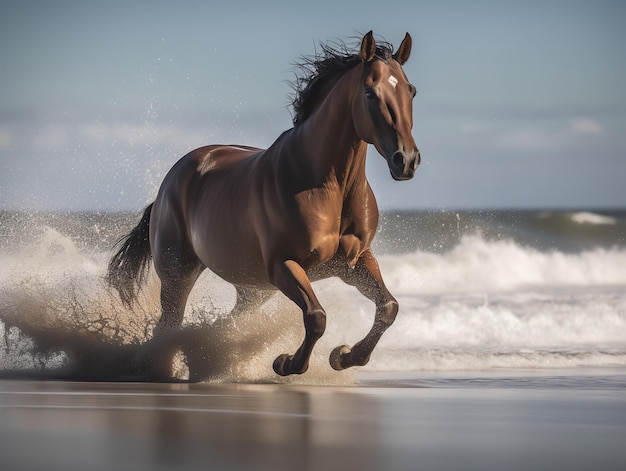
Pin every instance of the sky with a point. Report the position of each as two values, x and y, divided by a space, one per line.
519 104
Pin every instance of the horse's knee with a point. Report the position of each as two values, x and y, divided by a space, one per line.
315 323
388 312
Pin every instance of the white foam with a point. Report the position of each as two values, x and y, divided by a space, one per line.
540 327
482 304
492 304
584 217
478 265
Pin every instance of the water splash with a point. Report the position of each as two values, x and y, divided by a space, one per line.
58 319
482 303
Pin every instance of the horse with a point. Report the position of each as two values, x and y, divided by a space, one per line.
299 211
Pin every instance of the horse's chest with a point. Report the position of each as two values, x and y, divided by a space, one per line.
324 240
321 247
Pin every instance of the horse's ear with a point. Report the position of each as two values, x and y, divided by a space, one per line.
368 47
404 51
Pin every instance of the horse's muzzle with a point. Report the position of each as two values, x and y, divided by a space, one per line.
403 165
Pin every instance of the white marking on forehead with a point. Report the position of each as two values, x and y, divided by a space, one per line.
393 81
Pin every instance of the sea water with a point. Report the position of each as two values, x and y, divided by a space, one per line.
478 290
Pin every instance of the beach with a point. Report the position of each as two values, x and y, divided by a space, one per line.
506 420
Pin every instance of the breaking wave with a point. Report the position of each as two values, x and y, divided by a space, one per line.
480 304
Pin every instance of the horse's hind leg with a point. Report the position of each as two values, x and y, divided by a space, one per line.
248 299
175 290
367 279
178 273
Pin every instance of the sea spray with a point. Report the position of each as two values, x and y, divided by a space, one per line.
59 319
487 299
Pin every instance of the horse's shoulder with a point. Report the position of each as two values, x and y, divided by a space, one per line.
220 157
360 212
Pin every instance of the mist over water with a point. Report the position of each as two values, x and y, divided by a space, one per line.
477 290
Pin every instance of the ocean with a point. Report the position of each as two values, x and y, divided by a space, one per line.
478 291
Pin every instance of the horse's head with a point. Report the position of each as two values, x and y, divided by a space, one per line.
383 109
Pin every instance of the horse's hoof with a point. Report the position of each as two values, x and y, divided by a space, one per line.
281 364
336 356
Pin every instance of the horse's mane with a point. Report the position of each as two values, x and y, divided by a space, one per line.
317 73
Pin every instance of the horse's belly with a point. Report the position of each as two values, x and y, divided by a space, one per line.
241 271
233 258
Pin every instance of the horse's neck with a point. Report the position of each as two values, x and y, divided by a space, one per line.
329 140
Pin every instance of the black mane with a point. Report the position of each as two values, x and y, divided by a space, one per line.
324 68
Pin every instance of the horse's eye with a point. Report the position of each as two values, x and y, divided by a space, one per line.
369 94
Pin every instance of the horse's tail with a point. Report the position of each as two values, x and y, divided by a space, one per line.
127 268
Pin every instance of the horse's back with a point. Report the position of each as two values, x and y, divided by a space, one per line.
220 157
183 180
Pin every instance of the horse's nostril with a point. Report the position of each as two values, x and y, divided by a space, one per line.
397 160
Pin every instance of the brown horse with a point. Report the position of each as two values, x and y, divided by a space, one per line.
299 211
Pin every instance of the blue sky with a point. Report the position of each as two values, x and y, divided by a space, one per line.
520 104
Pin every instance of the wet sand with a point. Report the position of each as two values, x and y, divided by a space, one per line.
472 421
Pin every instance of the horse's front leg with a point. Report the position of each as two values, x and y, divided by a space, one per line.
367 279
292 280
